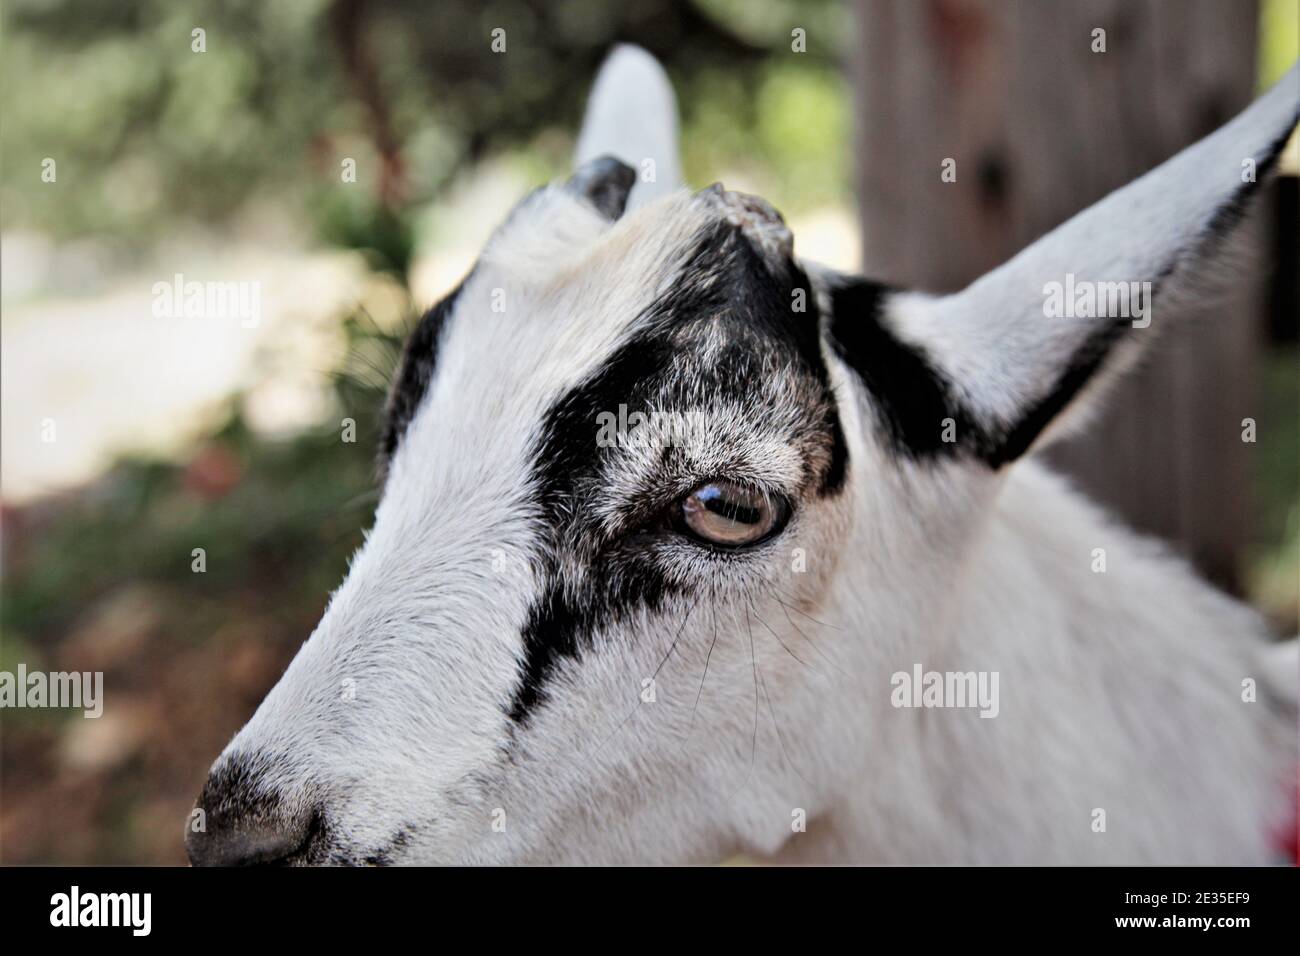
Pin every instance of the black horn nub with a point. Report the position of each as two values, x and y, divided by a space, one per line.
605 183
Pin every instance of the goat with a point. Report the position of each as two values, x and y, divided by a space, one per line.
704 641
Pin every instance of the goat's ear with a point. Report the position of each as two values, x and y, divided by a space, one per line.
632 116
987 369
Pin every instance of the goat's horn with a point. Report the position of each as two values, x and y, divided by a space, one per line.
605 183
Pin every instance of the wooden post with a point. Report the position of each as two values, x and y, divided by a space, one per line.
1041 126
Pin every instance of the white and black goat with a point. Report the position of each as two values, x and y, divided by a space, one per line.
677 530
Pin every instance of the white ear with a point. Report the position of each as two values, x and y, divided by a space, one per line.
632 116
1009 352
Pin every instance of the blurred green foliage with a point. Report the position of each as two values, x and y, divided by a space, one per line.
1279 39
145 131
150 136
278 516
1273 559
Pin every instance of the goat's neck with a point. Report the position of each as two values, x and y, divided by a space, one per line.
1079 651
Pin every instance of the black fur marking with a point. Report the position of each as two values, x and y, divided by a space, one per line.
912 397
1018 439
559 625
386 855
1227 216
1092 354
726 287
566 468
551 632
619 575
419 359
833 480
605 183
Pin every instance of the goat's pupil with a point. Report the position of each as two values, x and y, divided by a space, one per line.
729 508
730 515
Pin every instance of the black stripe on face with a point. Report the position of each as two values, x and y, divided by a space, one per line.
419 359
616 579
741 281
560 624
732 299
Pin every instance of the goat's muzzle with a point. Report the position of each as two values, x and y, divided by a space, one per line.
238 822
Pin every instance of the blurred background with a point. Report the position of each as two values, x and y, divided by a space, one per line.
129 440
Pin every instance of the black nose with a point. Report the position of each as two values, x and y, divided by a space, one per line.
238 821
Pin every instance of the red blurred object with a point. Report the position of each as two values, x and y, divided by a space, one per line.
1288 835
213 472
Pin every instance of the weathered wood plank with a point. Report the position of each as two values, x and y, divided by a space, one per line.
1041 126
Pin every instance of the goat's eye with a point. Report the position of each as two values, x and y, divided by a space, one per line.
728 515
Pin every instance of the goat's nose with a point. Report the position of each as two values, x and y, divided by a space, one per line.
238 823
250 845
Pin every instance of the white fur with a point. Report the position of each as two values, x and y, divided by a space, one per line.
632 116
